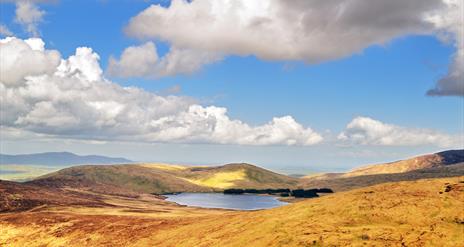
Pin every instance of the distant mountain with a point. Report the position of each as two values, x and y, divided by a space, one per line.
58 158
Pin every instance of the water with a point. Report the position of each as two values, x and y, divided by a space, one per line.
219 200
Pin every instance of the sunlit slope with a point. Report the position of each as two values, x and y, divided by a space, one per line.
347 183
443 164
221 180
238 176
416 213
162 178
420 162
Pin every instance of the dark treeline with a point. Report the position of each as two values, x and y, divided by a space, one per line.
299 193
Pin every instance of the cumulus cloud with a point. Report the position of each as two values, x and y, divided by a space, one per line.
368 131
143 61
21 58
311 31
283 30
74 100
452 24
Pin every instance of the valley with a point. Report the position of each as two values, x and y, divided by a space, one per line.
123 205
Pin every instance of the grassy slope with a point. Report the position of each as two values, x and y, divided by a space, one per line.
411 213
420 162
160 179
119 178
348 183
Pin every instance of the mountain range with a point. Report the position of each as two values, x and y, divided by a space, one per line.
58 159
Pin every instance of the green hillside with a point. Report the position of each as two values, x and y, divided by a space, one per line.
161 178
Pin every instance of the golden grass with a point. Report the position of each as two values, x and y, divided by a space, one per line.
401 166
220 180
411 213
163 166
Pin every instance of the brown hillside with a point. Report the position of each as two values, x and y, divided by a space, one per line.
160 178
416 163
349 183
417 213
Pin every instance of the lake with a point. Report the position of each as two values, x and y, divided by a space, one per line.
219 200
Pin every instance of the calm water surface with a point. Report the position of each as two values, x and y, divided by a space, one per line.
218 200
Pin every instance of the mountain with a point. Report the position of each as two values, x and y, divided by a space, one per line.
340 183
448 163
162 178
415 213
58 158
439 159
95 205
420 162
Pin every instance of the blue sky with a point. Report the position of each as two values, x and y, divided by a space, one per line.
386 82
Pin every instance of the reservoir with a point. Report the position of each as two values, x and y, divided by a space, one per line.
219 200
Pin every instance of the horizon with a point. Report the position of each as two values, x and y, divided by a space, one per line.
283 169
329 94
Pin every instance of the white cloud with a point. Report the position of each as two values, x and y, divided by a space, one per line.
143 61
25 58
451 21
73 100
29 15
313 31
368 131
4 31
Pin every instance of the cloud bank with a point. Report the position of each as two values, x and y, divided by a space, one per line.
311 31
368 131
44 94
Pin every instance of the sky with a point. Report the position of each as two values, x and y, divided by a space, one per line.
295 86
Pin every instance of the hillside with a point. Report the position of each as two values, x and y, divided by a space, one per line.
19 197
348 183
58 159
439 159
160 178
416 213
420 162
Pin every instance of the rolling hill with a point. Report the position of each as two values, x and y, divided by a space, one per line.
416 213
161 178
443 164
58 159
339 183
420 162
108 205
440 159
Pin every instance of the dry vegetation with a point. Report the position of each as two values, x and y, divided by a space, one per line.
416 213
221 180
110 206
162 178
348 183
